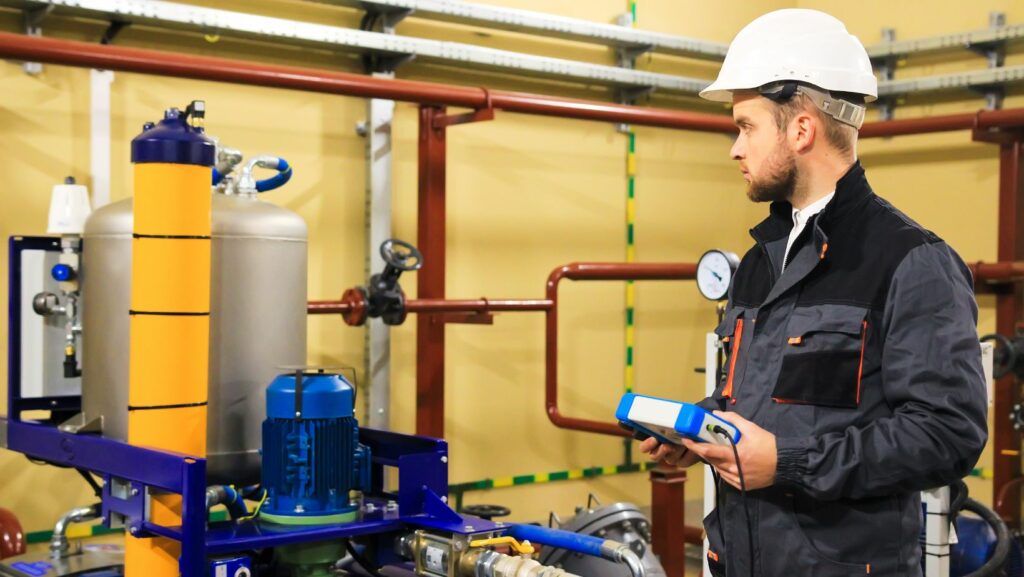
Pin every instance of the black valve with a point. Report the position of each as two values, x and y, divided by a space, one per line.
384 296
71 369
487 512
1008 356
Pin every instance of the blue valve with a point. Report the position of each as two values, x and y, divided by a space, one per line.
62 272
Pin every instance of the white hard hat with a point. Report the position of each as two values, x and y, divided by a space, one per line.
795 45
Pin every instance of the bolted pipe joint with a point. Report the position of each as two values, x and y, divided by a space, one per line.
621 553
494 564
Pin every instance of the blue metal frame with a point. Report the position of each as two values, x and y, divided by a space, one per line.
15 403
422 465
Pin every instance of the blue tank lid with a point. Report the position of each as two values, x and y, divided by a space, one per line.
174 141
324 396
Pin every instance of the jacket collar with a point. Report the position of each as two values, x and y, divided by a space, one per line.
851 190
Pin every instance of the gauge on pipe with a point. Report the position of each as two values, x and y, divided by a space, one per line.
715 271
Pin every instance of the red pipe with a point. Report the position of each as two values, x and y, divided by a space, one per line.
992 272
428 306
593 271
435 306
108 57
1005 438
983 119
997 271
90 55
983 272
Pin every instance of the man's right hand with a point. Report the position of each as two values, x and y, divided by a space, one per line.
671 455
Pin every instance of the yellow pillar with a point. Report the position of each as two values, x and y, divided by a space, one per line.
170 314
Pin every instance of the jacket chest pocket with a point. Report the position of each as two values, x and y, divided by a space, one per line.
824 356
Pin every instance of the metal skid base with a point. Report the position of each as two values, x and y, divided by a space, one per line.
132 474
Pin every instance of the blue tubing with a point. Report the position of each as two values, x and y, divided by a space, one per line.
284 175
235 504
557 538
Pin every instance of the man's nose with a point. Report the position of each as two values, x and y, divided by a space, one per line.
737 151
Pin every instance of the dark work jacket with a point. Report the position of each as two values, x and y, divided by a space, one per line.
863 359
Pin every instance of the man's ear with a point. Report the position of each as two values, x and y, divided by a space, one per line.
803 131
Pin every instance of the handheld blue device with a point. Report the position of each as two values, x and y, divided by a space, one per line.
671 421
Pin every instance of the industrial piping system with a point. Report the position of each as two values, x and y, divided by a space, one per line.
988 126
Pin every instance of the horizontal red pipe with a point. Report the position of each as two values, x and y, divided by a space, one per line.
73 53
997 271
476 306
434 306
85 54
982 272
593 271
984 119
327 307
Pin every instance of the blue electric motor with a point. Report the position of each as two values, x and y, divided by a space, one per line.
312 458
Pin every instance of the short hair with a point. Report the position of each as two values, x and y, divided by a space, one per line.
840 135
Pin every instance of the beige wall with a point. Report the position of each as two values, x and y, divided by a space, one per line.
525 194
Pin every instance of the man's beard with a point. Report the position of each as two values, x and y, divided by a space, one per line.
779 183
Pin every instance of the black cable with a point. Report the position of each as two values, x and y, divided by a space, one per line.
718 504
994 565
361 561
44 462
720 430
96 488
92 482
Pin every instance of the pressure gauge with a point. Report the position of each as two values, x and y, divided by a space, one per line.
714 273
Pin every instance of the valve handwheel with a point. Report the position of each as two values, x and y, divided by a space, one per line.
487 512
401 255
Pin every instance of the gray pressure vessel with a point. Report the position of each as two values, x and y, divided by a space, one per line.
257 323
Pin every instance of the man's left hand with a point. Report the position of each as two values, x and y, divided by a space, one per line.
757 451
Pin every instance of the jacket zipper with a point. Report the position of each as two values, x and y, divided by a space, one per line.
860 367
738 334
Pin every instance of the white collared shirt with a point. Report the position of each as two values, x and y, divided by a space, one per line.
800 218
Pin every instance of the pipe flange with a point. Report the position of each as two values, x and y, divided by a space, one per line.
355 298
1017 417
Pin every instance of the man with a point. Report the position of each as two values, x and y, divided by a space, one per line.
854 369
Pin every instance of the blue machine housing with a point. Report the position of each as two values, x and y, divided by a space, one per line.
312 457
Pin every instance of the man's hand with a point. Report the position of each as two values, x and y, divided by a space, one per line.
757 451
671 455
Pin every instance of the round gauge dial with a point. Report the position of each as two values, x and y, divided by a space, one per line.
714 273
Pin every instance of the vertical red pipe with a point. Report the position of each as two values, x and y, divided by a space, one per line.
668 531
430 279
1007 445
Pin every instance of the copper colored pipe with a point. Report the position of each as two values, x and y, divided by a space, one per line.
983 120
327 307
693 535
997 271
593 271
438 306
428 306
108 57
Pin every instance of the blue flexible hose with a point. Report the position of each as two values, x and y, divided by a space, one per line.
283 175
557 538
234 503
